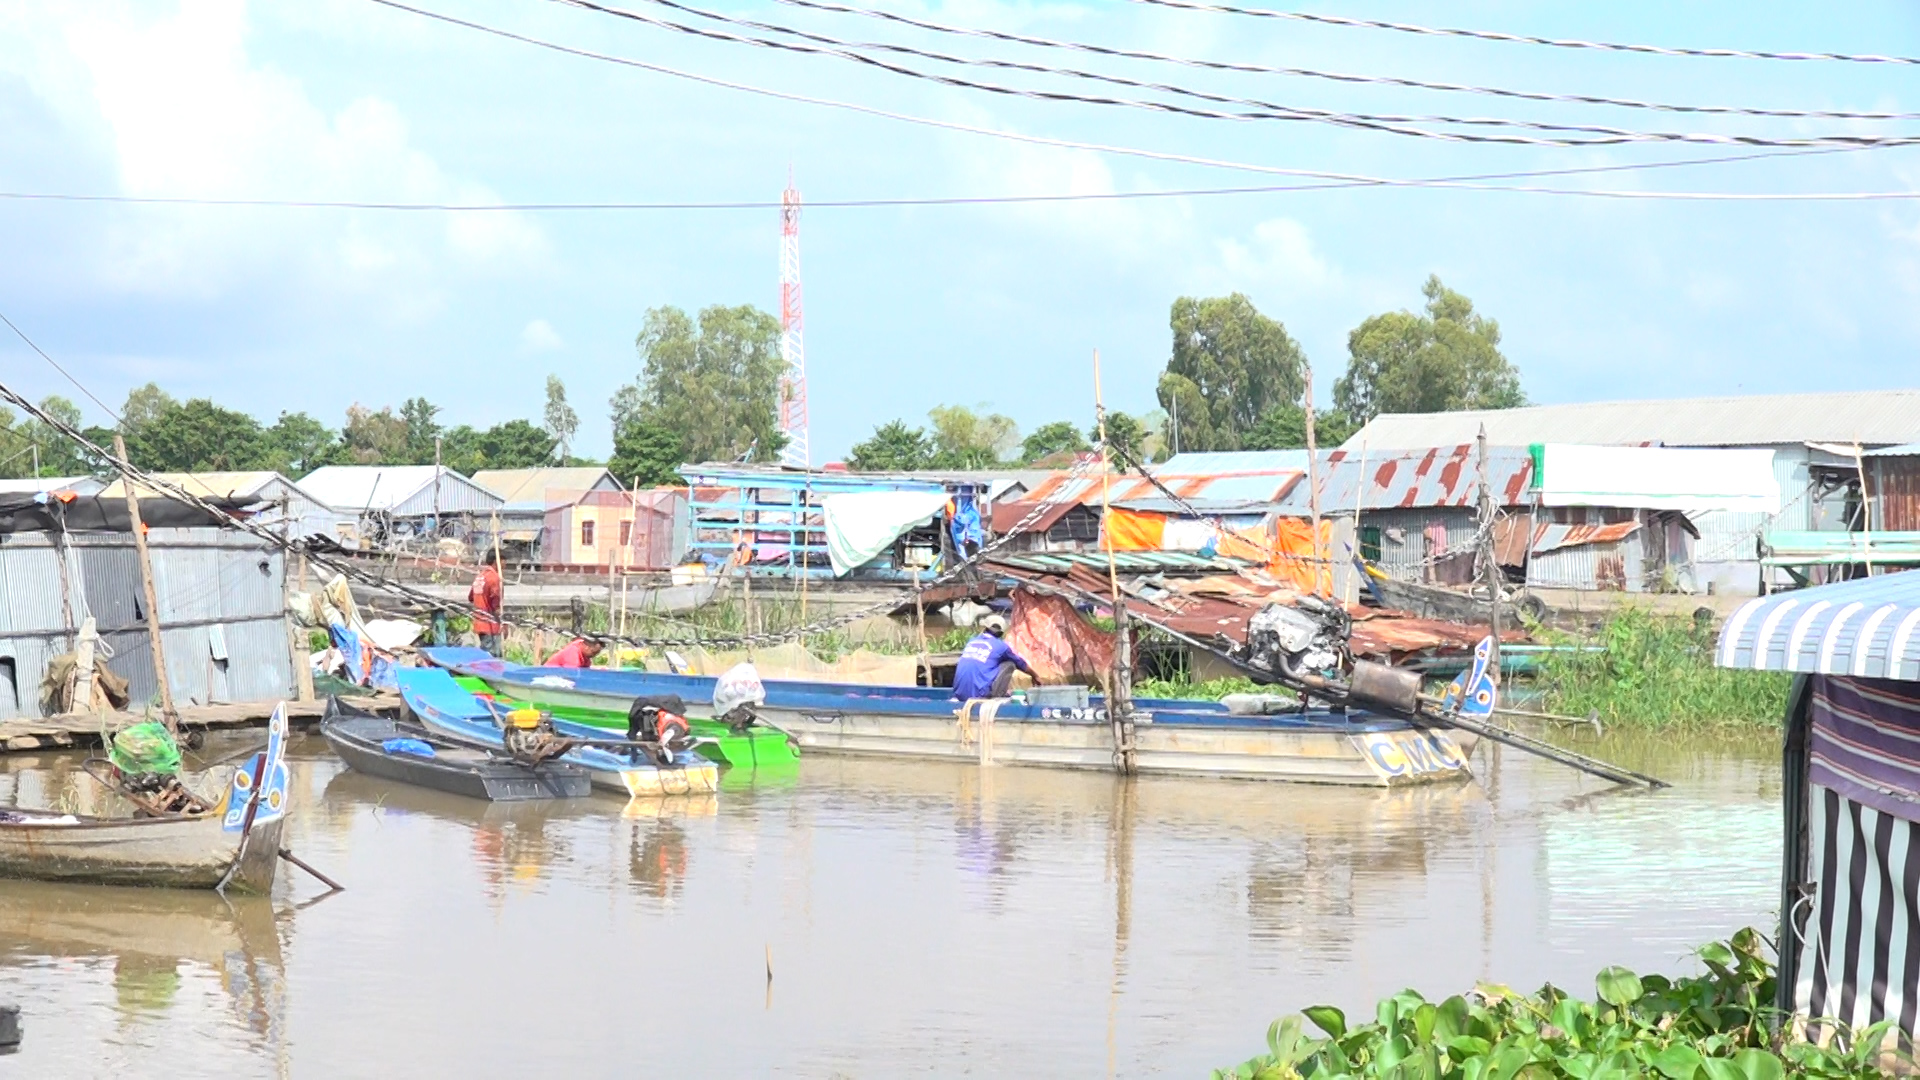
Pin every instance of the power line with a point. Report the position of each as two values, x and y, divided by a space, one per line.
904 201
1524 39
56 366
1132 151
1259 110
1344 77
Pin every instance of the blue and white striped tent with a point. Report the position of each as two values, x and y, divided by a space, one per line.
1868 628
1850 882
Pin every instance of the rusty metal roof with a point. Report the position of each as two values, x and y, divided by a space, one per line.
1208 492
1413 479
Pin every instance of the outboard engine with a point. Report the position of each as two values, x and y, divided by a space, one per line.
658 726
528 735
1309 638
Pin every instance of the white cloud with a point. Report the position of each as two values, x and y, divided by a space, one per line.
539 336
1280 257
183 110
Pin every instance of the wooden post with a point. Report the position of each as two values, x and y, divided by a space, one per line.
167 714
1489 557
296 638
1313 487
1866 511
920 627
1120 689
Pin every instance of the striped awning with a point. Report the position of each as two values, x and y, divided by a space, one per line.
1868 628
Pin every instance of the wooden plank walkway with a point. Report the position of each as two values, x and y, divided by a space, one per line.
83 729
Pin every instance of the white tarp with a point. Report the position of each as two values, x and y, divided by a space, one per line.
1657 478
862 524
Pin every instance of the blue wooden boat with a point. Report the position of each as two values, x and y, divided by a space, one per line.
442 707
390 750
1202 738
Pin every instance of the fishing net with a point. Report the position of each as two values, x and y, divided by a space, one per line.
145 749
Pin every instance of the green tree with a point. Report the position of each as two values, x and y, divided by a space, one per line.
1230 366
423 429
297 444
516 444
1125 433
716 384
561 421
199 436
893 447
1285 428
462 449
30 442
966 439
375 438
1445 360
144 404
646 455
1057 437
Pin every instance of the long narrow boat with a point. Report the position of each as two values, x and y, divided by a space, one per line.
755 748
1201 738
381 747
439 704
235 846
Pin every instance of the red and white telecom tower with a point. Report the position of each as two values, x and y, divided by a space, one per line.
793 380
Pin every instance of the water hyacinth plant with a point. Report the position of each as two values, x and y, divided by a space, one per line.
1717 1026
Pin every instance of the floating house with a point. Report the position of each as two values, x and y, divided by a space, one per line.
388 505
31 485
1802 431
221 604
567 517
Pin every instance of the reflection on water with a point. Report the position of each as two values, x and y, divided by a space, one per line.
919 918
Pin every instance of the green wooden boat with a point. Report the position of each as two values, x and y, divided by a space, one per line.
757 748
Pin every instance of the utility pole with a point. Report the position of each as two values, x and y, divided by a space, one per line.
167 714
1489 560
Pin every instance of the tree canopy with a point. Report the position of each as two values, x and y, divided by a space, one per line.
1230 366
646 455
196 436
1285 428
967 439
716 384
1444 360
893 447
559 418
28 442
1048 439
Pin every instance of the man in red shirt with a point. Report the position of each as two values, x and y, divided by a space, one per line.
579 654
486 596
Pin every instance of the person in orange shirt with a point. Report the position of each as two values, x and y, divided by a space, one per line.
578 654
487 595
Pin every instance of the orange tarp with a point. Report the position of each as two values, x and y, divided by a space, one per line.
1135 530
1056 640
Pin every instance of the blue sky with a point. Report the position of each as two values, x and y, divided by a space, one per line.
907 308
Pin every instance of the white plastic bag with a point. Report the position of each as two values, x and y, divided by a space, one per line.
739 686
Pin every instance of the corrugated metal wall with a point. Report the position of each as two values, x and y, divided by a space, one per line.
1404 550
221 612
1896 493
457 495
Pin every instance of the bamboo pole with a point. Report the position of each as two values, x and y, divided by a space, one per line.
1866 511
167 714
920 627
1491 569
1313 488
296 645
1120 694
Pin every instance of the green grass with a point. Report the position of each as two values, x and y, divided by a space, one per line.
1657 672
1210 690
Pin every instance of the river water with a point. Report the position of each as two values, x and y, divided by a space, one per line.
917 919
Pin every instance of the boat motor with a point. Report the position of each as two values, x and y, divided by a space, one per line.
527 733
658 726
1308 639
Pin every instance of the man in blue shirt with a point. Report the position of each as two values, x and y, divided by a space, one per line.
987 663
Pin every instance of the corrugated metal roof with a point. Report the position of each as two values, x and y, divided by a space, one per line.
1413 479
31 485
1198 462
545 486
1260 488
1126 562
1869 417
404 490
1553 537
1911 449
1868 628
263 483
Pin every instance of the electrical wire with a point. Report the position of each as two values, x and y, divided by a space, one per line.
905 201
1131 151
1241 67
108 409
1524 39
1594 135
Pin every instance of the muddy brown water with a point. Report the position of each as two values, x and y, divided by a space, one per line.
919 919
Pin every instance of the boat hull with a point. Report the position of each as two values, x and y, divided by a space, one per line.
194 853
457 771
1382 758
756 748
